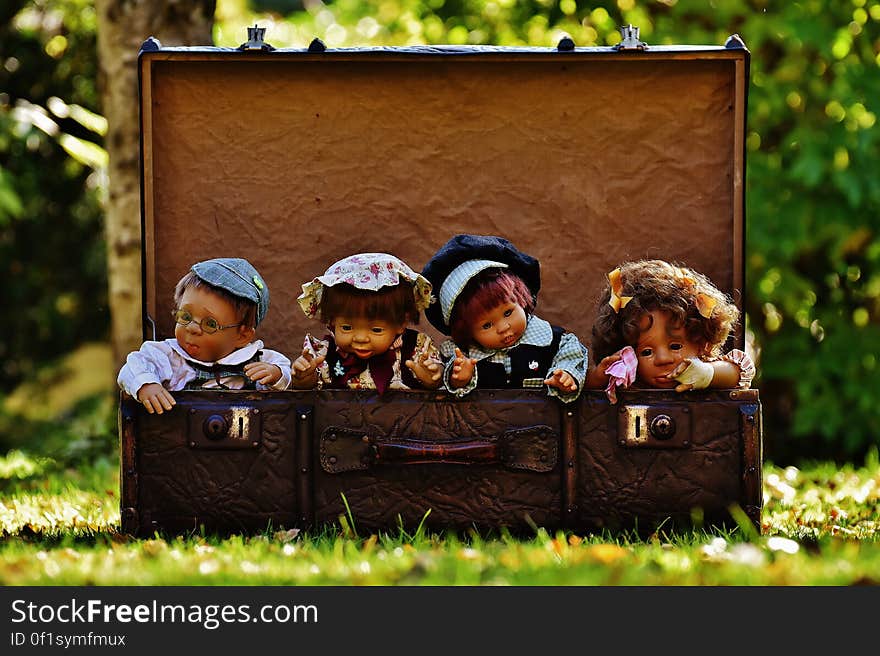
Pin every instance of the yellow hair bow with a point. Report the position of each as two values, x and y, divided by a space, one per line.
705 304
617 301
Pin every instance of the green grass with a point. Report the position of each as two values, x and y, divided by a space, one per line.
59 526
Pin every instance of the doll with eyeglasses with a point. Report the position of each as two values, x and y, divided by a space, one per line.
219 304
663 326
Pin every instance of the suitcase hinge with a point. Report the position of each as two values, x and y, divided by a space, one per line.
630 39
255 40
566 44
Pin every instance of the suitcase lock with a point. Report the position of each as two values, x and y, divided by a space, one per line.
654 427
223 426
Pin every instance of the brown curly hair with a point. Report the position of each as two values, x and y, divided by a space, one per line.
659 285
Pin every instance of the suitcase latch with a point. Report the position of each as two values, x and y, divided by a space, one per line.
629 35
654 427
224 427
255 40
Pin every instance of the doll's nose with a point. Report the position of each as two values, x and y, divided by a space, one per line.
663 356
361 338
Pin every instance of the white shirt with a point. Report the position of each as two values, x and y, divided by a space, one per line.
169 365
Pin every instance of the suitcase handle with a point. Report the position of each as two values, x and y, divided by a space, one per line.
458 453
533 448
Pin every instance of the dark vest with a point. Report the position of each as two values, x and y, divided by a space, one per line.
217 372
406 352
492 374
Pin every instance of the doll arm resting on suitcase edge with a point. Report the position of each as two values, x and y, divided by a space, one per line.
733 370
568 370
271 372
145 374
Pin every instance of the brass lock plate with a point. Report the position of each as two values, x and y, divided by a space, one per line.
654 426
222 427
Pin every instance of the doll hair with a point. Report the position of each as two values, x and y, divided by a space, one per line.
485 291
657 285
245 309
391 303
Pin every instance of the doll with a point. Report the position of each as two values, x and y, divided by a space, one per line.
488 292
367 301
664 326
219 304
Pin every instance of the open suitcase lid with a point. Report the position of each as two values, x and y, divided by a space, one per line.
582 157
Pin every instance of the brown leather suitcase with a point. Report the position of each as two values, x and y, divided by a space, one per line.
583 157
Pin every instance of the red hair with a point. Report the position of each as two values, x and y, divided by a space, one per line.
484 292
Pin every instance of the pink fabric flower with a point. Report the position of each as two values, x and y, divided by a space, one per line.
621 373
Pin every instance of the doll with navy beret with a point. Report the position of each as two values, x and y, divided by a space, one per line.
487 292
219 304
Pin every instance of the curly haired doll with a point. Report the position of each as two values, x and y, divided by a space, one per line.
664 326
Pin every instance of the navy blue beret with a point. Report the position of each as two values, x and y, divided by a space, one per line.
463 247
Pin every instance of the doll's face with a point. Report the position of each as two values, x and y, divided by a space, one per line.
202 305
662 345
500 327
364 337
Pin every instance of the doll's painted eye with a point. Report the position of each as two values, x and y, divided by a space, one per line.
646 353
345 327
675 346
486 326
378 330
508 312
183 317
210 325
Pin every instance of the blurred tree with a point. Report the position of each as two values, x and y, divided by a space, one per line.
122 27
52 172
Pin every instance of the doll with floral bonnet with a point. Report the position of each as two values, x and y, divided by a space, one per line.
367 301
663 326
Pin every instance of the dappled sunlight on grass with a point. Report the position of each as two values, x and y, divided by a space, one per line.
61 529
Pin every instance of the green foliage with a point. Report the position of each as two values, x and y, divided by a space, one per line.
813 193
820 528
52 177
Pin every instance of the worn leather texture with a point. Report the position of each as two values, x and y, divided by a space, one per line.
450 475
457 495
181 488
644 487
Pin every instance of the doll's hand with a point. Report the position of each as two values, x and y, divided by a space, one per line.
304 370
692 374
462 369
427 369
263 373
597 378
155 398
562 380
